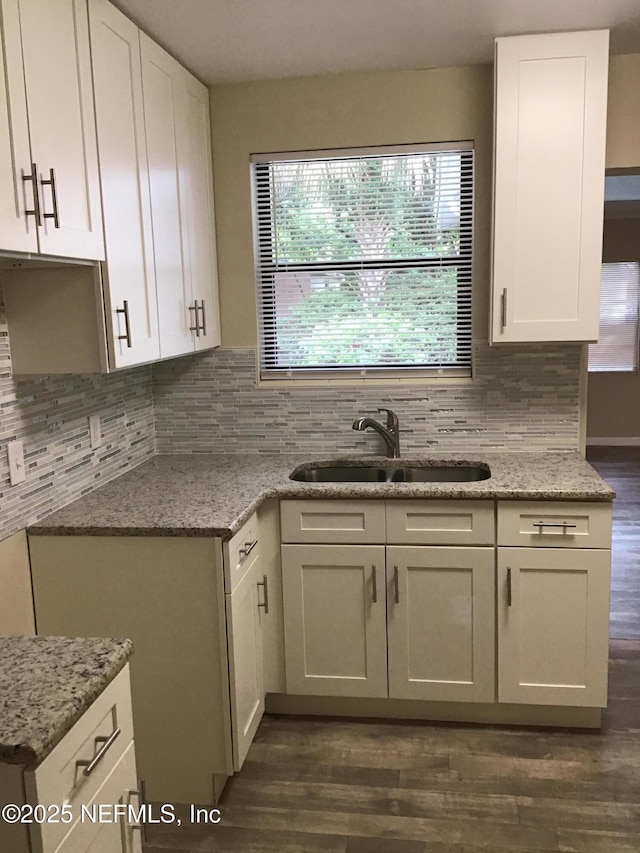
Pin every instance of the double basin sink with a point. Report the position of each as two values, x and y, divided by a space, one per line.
392 473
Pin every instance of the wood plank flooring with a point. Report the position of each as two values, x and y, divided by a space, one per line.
342 786
620 467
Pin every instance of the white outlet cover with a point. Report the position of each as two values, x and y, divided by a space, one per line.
15 453
94 431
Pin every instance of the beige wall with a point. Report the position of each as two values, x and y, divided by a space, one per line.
623 118
613 407
352 110
342 111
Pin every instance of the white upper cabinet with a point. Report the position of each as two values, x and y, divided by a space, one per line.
47 60
180 179
17 229
129 273
550 128
162 92
196 189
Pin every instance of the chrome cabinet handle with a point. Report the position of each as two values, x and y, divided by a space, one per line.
141 794
127 326
396 584
107 742
563 524
248 548
509 599
264 583
54 198
374 584
503 318
33 177
203 327
195 328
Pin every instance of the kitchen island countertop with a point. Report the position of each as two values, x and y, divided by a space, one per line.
213 495
46 684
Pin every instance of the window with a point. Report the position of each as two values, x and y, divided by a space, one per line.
364 261
617 347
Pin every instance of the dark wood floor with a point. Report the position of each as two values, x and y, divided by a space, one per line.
620 467
337 786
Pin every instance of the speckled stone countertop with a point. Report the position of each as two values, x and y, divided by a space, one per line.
212 495
46 685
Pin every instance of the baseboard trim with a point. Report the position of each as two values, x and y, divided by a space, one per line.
620 441
453 712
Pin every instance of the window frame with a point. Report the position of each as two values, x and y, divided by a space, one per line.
266 313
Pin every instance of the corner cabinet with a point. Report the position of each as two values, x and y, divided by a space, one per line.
548 204
48 154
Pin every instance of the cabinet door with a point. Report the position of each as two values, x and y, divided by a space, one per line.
550 127
129 273
57 66
553 626
112 836
441 623
334 620
161 79
18 231
246 676
196 205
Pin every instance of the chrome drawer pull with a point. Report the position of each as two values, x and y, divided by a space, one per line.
107 742
54 198
509 599
503 309
396 583
264 583
127 325
195 328
248 548
374 583
33 177
203 327
563 524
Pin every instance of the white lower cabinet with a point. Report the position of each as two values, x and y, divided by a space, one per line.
553 619
335 625
400 622
90 792
440 623
246 670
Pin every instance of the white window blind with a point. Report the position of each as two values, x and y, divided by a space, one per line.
364 261
617 347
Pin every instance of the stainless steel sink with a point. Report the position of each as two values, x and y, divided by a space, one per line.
340 474
392 474
441 474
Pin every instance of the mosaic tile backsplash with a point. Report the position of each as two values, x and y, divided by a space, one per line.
50 415
522 398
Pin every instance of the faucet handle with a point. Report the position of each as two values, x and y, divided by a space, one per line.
393 425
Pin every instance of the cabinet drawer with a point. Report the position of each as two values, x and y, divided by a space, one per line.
554 524
59 779
440 522
334 522
240 552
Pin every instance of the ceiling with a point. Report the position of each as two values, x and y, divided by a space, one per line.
239 40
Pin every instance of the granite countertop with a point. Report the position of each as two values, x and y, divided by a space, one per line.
213 495
46 684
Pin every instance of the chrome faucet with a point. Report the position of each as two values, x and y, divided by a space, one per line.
390 433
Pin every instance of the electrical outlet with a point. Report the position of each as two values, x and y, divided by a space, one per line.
15 452
94 431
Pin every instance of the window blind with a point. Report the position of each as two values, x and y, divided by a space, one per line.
364 261
617 347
